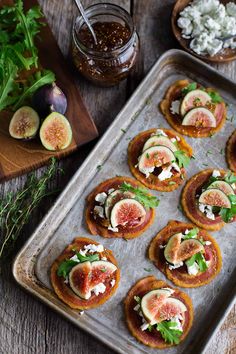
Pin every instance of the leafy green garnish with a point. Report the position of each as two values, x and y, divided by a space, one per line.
137 299
169 334
230 177
141 195
226 213
147 269
66 266
192 234
182 158
215 97
192 86
199 259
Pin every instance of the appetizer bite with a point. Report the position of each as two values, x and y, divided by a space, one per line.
189 257
231 152
120 207
85 275
158 157
209 199
193 110
158 315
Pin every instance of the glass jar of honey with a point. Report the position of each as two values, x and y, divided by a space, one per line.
114 56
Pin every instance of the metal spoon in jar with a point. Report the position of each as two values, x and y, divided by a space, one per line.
83 14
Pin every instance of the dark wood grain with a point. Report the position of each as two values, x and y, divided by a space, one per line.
26 326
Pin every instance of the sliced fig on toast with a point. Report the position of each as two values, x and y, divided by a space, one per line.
188 248
215 197
172 247
200 117
223 186
192 99
155 156
79 280
159 140
127 212
113 198
152 300
101 270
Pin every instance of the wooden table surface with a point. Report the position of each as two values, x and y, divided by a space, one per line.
26 325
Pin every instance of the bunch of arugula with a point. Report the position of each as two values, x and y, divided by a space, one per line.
18 54
141 195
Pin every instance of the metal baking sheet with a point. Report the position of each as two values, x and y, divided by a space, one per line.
66 218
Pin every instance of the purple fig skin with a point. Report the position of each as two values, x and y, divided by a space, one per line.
49 98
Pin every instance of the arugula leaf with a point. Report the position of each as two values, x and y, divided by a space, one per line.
66 266
8 73
192 86
169 334
215 97
141 195
192 234
137 299
199 259
183 159
230 177
226 213
90 258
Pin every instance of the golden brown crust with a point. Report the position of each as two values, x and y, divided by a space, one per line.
189 205
65 293
96 228
231 152
133 320
180 276
134 151
173 93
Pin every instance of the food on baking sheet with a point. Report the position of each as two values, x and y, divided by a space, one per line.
120 207
158 158
193 110
189 257
85 275
206 24
209 199
157 314
231 152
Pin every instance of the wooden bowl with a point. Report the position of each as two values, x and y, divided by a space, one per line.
222 57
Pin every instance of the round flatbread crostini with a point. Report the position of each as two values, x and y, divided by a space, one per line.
120 207
151 306
153 159
85 275
231 152
189 257
208 199
193 110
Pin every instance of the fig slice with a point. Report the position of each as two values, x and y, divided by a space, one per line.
172 247
55 132
215 197
158 307
24 123
155 156
159 140
200 117
79 280
127 212
192 99
188 248
113 198
223 186
101 270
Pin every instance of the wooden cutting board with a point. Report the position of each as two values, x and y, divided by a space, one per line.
18 157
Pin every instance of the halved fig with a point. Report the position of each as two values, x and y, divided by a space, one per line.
127 211
79 280
192 99
101 270
223 186
172 247
152 300
188 248
200 117
155 156
113 198
159 140
55 132
215 197
24 123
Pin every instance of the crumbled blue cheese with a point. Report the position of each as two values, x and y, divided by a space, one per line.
205 23
216 173
193 269
113 229
99 289
180 264
101 197
98 211
174 108
207 210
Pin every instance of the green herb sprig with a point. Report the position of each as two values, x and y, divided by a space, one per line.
215 97
192 234
182 158
66 266
199 259
141 195
168 333
227 214
190 87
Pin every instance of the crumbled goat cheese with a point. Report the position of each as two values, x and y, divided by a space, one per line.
160 132
216 173
75 258
81 313
176 266
166 172
147 171
111 190
178 138
98 211
101 197
137 307
207 210
178 326
175 105
186 231
169 289
207 243
233 185
206 23
144 326
66 281
173 140
104 259
94 248
99 289
162 246
112 282
175 166
193 269
113 229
